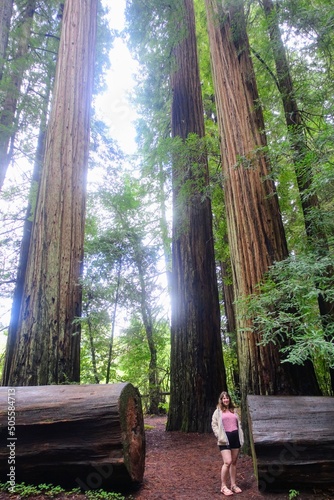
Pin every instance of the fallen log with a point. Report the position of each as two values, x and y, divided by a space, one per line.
292 441
87 436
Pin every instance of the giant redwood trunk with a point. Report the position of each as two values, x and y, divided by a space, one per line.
83 436
197 369
298 139
26 238
48 337
255 228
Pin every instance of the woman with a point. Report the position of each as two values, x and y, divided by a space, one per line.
227 429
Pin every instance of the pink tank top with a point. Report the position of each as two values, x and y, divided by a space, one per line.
230 421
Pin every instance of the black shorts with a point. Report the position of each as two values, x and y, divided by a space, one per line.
233 441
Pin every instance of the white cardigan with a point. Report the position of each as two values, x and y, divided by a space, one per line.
218 428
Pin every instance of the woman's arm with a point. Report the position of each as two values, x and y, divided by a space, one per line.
214 422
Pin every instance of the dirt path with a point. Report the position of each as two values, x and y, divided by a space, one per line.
187 466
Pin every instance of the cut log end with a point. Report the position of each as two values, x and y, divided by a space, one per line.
292 441
87 436
132 424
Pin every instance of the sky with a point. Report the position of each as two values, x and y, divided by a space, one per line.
113 106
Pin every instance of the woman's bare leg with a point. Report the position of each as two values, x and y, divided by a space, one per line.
233 467
227 460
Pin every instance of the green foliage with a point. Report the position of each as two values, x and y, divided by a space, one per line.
50 489
148 427
189 156
148 27
231 367
27 490
293 494
104 40
133 357
164 407
313 21
104 495
285 311
122 285
313 91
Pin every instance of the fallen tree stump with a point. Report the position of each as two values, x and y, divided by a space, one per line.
292 441
87 436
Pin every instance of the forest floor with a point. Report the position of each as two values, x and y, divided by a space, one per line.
182 466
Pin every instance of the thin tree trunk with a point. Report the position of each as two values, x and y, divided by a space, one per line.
91 341
297 134
11 96
231 321
154 392
6 9
113 323
255 228
47 348
197 366
228 299
92 350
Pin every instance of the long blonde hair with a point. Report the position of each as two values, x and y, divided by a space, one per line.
220 402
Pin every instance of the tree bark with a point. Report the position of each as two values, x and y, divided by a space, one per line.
25 243
255 228
197 367
292 441
11 96
47 347
87 436
297 135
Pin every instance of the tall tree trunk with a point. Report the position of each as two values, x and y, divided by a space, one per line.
297 135
25 244
255 229
11 96
47 348
6 9
197 367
